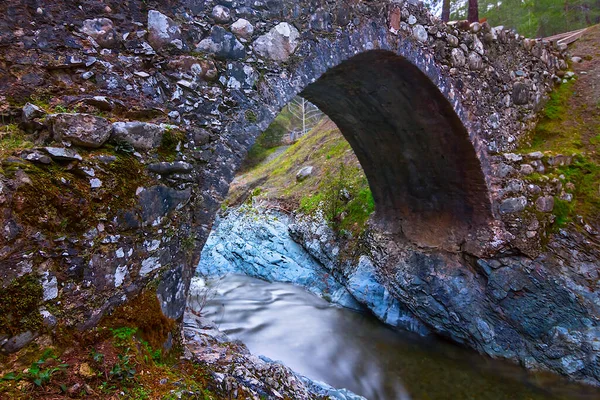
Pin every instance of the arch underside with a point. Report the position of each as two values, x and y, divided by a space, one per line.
423 170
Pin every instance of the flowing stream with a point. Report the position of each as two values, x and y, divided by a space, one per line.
352 350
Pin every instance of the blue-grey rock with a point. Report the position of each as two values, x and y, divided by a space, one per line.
165 168
222 44
63 154
142 136
513 205
258 244
158 201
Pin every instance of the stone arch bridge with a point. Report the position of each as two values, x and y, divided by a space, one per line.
157 103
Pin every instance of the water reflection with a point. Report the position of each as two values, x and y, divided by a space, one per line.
355 351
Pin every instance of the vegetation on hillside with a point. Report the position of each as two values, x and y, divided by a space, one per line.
293 122
122 358
337 186
570 125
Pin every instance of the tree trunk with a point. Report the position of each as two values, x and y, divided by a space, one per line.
446 11
473 11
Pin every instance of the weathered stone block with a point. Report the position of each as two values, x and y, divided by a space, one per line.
141 135
83 130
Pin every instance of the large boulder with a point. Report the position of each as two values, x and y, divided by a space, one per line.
222 44
163 31
141 135
102 31
279 43
83 130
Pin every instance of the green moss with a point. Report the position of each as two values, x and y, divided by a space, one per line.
12 138
559 129
585 175
563 211
168 146
335 170
251 116
60 200
559 99
20 302
345 199
143 316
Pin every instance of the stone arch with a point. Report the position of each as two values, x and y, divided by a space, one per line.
394 108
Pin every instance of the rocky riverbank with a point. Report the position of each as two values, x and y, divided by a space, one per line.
240 373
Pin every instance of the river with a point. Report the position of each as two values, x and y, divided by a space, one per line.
353 350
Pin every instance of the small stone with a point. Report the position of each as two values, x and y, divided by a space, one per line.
590 230
533 189
31 112
512 157
536 155
18 342
412 20
95 183
304 173
38 157
526 169
162 30
165 168
87 75
220 14
279 43
520 93
568 197
475 61
102 31
475 27
420 33
545 204
242 28
222 44
74 390
49 285
513 205
457 57
452 40
576 59
63 154
175 116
